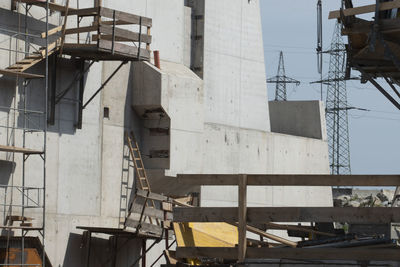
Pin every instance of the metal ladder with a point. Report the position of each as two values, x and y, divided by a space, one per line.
143 182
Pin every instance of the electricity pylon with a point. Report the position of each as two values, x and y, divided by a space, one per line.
336 107
281 80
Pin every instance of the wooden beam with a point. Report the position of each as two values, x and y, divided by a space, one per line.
364 27
52 31
290 179
364 9
92 11
64 27
50 48
297 228
20 74
81 29
271 236
151 195
361 254
242 214
122 49
125 34
117 22
376 215
123 16
19 150
145 227
151 212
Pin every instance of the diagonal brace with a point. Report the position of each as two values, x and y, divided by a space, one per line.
104 84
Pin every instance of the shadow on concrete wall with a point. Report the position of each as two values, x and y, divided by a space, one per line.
101 251
13 22
132 122
66 111
6 169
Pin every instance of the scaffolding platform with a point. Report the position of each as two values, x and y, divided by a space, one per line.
22 150
117 232
104 50
373 45
106 42
20 74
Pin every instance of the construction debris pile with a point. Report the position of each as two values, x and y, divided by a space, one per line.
348 197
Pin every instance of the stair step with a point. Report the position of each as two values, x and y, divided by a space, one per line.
33 57
24 62
14 67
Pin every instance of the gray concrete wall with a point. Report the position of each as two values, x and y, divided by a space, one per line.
300 118
217 125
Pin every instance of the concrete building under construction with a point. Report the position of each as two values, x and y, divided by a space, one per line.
99 134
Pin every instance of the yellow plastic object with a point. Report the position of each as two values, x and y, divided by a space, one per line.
205 235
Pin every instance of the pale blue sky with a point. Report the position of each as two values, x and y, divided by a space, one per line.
290 25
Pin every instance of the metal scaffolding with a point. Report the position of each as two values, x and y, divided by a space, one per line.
24 194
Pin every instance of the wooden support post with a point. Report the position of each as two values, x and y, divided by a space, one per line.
143 252
148 33
64 27
166 239
81 90
53 91
242 213
114 244
88 243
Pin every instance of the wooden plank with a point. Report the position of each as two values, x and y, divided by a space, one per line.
364 27
125 34
145 227
117 22
64 27
19 150
123 16
20 74
52 31
151 195
306 229
92 11
151 212
50 48
376 215
81 29
271 236
123 49
290 180
242 214
364 9
362 254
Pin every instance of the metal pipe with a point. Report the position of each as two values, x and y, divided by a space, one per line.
157 59
46 89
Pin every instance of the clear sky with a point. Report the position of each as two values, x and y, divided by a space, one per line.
290 26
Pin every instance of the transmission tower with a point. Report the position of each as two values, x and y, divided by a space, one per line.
336 106
281 80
